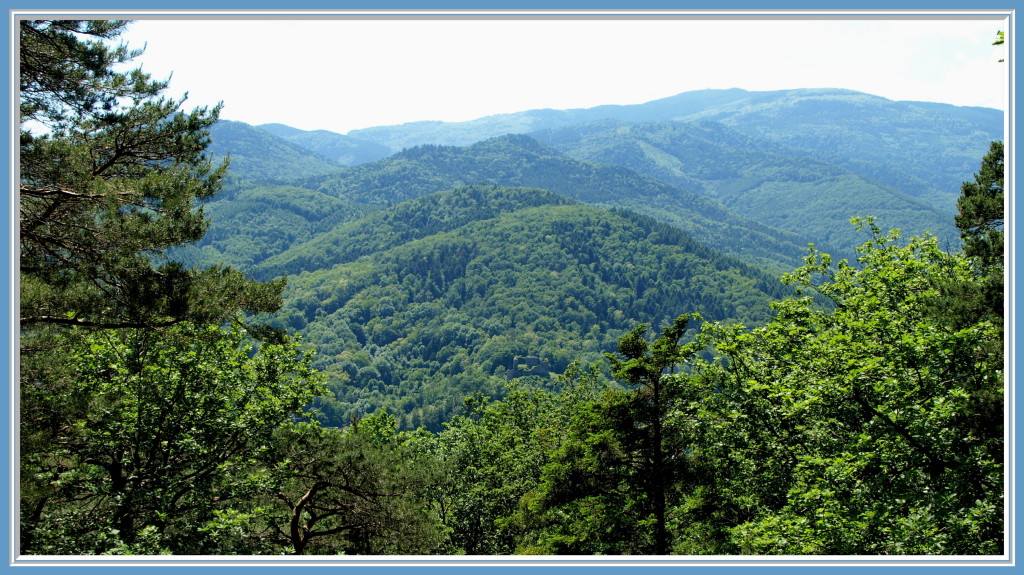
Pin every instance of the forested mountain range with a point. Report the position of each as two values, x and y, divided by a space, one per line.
756 178
921 148
518 160
506 161
399 230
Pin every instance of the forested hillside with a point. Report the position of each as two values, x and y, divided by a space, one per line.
522 161
258 213
257 156
256 222
432 300
498 348
403 223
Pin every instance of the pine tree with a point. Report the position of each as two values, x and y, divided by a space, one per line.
110 174
980 220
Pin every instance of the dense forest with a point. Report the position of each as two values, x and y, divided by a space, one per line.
498 349
421 304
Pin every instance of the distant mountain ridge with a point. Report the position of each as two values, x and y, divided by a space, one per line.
679 107
928 148
923 149
345 150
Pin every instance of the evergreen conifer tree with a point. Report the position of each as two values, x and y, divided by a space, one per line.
110 173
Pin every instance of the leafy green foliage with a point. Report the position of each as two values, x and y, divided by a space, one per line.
149 433
491 458
856 430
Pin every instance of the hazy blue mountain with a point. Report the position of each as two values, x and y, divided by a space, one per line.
345 150
754 177
281 130
896 143
923 149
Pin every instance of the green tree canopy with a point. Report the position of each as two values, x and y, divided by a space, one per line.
354 491
150 431
136 408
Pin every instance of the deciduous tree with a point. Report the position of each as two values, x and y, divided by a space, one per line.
151 432
853 429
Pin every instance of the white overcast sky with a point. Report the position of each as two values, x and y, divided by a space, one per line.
349 73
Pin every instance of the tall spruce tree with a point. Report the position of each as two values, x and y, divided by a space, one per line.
658 391
980 220
980 207
618 478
